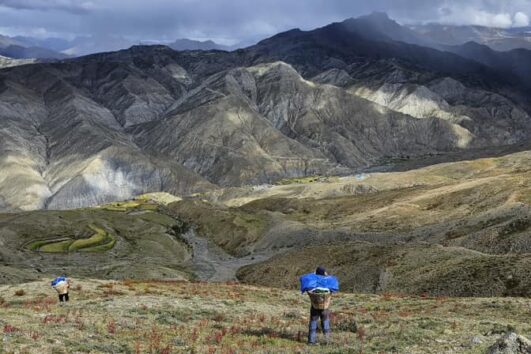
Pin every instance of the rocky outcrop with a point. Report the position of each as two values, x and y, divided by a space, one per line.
511 343
6 62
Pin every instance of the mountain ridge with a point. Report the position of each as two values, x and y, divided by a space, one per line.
325 101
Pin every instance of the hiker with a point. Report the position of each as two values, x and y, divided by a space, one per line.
319 286
61 285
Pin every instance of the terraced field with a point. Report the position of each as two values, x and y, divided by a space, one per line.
124 239
100 241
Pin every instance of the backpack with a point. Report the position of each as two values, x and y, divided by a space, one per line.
320 300
58 280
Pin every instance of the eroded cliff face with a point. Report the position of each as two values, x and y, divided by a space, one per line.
110 126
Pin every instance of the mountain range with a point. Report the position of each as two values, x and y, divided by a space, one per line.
349 96
500 39
375 25
22 47
188 44
378 24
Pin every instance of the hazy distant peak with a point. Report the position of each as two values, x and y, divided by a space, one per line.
377 15
190 44
501 39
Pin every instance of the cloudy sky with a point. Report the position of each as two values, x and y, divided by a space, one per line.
232 21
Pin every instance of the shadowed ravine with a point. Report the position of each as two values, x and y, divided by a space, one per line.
211 263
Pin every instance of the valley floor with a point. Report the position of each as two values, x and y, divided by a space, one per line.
197 317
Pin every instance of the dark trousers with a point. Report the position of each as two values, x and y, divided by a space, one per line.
63 297
315 316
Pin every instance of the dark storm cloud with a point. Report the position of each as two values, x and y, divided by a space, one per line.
73 6
234 20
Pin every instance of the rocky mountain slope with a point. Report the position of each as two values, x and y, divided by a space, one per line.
329 101
6 62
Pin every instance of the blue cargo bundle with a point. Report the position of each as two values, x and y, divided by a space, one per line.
312 281
58 280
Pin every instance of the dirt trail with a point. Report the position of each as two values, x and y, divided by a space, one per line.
211 263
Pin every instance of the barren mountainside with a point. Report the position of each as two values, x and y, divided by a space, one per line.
110 126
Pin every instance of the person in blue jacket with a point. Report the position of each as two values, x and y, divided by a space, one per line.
62 284
320 298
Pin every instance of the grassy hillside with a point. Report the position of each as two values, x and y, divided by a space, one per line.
232 229
119 240
459 229
175 317
407 268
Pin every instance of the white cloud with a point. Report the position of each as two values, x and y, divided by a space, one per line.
463 14
478 13
521 20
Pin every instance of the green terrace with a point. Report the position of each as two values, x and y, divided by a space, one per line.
100 241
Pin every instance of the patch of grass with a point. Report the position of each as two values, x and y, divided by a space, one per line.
122 206
152 207
100 236
139 203
157 218
233 229
101 248
56 247
305 180
35 246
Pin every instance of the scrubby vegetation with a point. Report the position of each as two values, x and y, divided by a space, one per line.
174 317
143 203
306 180
408 268
232 229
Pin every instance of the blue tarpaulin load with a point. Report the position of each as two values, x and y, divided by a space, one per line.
312 281
58 280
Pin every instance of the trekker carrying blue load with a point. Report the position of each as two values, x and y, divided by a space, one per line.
62 285
319 286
